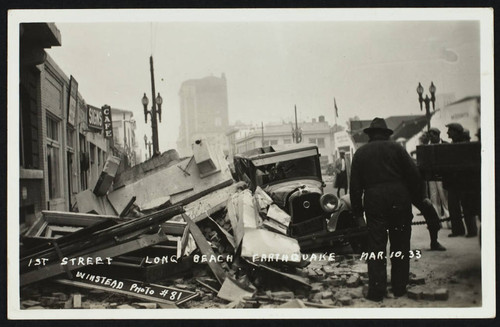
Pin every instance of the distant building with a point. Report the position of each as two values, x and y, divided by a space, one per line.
466 111
317 132
204 113
124 137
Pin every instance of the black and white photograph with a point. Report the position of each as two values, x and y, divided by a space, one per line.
251 163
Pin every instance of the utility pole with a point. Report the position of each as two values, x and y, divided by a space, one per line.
154 126
262 127
296 132
154 111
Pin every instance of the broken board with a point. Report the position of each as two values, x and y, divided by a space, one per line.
137 289
180 182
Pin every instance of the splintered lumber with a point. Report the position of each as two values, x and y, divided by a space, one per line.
246 210
208 204
55 268
236 224
37 245
127 207
205 249
105 237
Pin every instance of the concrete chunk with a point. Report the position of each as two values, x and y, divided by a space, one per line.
345 300
146 305
30 303
77 300
125 306
428 294
353 281
415 293
417 280
326 294
441 294
295 303
232 291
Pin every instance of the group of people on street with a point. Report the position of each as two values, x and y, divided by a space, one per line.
384 184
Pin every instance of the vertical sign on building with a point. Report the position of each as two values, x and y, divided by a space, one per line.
107 121
72 101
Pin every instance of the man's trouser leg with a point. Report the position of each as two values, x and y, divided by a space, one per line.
377 243
457 226
467 198
400 261
431 219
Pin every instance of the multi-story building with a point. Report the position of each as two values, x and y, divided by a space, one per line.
59 154
124 137
317 132
204 113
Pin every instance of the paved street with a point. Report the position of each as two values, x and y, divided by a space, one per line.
458 269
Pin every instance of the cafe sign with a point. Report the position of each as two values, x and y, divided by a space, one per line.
94 118
107 121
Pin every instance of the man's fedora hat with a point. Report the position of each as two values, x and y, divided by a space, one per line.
456 126
378 125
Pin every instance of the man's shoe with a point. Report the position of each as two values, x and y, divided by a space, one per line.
437 247
399 293
455 235
471 235
375 298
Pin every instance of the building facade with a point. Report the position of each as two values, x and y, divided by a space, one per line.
59 155
317 132
204 113
124 138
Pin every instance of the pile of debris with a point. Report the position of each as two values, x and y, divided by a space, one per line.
175 232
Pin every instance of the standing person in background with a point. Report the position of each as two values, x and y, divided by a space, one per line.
384 180
460 192
437 194
424 204
341 172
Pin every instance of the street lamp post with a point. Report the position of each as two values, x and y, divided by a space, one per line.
147 145
296 132
427 101
153 112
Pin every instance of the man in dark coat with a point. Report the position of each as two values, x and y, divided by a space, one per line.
384 173
463 191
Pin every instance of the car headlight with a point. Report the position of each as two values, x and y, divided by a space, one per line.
328 202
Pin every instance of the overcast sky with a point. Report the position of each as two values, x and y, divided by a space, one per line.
372 68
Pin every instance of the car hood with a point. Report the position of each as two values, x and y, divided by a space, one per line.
281 191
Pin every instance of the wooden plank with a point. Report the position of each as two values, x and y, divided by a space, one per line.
205 249
42 228
56 268
155 292
74 218
127 207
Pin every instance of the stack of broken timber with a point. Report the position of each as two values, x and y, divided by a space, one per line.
91 243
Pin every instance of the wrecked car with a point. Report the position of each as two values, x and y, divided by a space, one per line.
292 178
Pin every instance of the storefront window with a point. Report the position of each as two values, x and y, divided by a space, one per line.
53 158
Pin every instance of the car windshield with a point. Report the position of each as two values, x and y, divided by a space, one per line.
297 168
